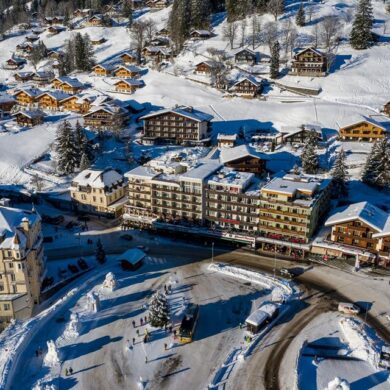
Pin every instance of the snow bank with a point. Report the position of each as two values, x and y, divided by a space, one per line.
281 286
361 344
338 384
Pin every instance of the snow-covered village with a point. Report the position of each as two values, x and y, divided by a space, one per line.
195 194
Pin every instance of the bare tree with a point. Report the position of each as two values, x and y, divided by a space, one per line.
292 39
316 32
37 183
276 8
329 30
217 54
270 34
229 33
150 29
243 32
256 31
219 75
287 26
309 12
138 34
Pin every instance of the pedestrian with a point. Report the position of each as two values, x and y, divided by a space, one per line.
165 346
133 324
170 329
142 321
133 340
137 332
145 339
146 319
36 353
70 370
66 372
146 359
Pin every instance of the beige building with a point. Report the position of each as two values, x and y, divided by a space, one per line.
99 192
21 263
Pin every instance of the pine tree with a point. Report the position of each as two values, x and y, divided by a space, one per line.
66 149
274 65
376 172
340 176
100 253
81 143
309 156
300 18
158 310
179 22
200 14
84 162
361 36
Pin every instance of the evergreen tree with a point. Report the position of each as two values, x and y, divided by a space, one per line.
361 36
309 156
127 12
179 22
100 253
274 65
200 13
376 171
66 149
84 162
340 176
300 18
158 310
81 143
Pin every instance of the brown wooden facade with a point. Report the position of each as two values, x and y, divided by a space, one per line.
250 164
386 109
128 58
6 104
362 131
100 70
76 104
25 99
49 102
204 68
124 73
247 88
105 120
309 62
24 119
127 87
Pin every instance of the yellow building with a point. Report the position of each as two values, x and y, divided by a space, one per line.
99 192
21 263
362 131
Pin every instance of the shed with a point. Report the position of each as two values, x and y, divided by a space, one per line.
132 258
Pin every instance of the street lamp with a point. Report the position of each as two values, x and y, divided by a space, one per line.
212 252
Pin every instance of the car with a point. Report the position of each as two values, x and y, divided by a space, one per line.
286 273
82 264
143 248
348 308
127 237
73 268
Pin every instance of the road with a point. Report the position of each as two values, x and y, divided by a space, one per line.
323 288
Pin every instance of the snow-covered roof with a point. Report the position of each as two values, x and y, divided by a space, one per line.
201 32
130 68
233 154
365 212
313 49
251 79
31 113
72 82
262 314
209 63
109 108
105 66
133 82
57 95
142 171
128 53
290 184
33 92
230 177
226 137
133 256
185 111
203 170
5 98
344 123
98 178
24 74
242 49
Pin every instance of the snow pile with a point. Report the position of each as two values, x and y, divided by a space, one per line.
73 328
262 279
110 282
45 387
52 357
361 344
338 384
93 302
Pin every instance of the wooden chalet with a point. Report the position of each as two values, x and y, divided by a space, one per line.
128 85
157 53
55 55
27 97
158 4
29 118
23 76
32 38
54 30
205 67
299 135
96 41
7 103
14 63
42 77
163 32
127 71
97 21
77 104
108 117
102 70
245 56
82 13
128 58
364 130
243 159
200 34
52 20
247 87
68 85
309 62
386 108
51 100
226 140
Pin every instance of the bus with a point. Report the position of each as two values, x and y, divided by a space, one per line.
188 323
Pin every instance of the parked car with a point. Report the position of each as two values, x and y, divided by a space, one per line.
127 266
348 308
286 273
82 264
127 237
73 268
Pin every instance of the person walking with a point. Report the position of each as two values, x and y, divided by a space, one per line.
70 371
133 324
133 340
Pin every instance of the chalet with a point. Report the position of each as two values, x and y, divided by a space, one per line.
300 134
360 229
309 62
245 56
14 63
163 32
23 76
159 41
50 21
128 58
243 159
51 100
98 21
180 125
24 49
127 71
54 54
7 102
42 77
106 117
386 108
247 87
157 54
32 38
226 140
205 67
81 104
29 118
54 30
67 84
158 4
82 13
27 97
102 70
200 34
364 130
98 40
128 85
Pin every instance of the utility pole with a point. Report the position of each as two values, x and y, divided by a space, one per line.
212 252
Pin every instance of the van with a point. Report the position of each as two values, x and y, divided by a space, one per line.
348 308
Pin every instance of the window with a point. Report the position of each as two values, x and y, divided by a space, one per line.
7 306
13 277
11 265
